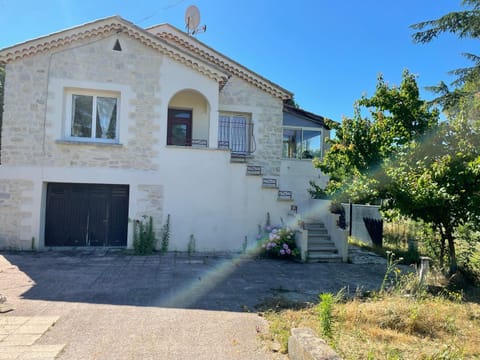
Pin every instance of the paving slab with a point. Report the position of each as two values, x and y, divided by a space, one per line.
173 306
19 335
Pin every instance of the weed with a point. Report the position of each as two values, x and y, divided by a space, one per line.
166 235
143 236
392 264
325 308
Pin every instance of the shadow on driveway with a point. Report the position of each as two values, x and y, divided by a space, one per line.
175 280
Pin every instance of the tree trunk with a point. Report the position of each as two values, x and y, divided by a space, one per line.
451 251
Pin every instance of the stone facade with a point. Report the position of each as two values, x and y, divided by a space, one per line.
150 203
34 122
206 195
16 200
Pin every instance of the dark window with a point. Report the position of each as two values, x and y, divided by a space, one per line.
301 143
179 131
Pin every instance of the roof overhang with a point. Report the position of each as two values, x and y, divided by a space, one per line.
104 28
181 39
316 119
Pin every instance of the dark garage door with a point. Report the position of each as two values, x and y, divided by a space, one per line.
86 215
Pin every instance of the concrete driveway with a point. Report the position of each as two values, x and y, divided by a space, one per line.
112 305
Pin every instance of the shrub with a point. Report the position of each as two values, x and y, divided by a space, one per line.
280 243
166 235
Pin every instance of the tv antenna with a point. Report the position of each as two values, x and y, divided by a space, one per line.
192 21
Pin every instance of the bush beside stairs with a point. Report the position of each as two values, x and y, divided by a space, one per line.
320 246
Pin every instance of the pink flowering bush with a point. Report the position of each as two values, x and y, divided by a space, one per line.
279 243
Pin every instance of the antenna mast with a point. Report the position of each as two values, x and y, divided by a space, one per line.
192 21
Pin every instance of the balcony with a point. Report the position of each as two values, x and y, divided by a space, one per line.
235 132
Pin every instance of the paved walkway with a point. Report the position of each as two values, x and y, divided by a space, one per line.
106 304
18 335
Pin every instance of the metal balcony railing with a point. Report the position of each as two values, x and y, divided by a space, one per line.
236 134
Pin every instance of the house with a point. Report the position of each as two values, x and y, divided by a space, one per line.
107 122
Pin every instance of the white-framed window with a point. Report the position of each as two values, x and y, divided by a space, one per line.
301 143
92 116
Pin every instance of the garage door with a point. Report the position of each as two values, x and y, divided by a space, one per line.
86 215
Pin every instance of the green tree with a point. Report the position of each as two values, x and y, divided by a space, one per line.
437 180
464 24
396 116
423 169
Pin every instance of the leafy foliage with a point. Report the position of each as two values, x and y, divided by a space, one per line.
397 116
325 308
166 235
438 181
464 24
423 169
143 236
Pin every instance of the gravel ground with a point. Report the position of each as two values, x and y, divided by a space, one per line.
114 305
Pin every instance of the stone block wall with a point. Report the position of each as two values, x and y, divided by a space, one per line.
24 111
16 201
150 203
34 118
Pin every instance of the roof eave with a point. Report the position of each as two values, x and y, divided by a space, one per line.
104 26
222 60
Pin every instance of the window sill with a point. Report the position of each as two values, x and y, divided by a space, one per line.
95 143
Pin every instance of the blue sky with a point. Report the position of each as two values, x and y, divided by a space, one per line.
328 53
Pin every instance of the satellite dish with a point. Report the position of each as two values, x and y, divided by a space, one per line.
192 21
192 18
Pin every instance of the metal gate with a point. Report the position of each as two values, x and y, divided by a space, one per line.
86 215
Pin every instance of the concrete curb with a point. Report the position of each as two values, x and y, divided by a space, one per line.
303 344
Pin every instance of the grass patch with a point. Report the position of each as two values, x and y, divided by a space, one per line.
392 326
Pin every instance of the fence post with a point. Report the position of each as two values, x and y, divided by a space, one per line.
424 267
350 220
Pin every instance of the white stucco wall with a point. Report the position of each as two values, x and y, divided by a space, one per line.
295 176
359 230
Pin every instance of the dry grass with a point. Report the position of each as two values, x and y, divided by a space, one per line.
392 327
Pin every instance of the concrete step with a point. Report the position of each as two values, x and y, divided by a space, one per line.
319 237
314 226
254 170
320 241
320 257
327 247
316 230
285 195
319 232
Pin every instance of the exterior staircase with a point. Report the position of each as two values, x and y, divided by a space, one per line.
270 183
320 246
